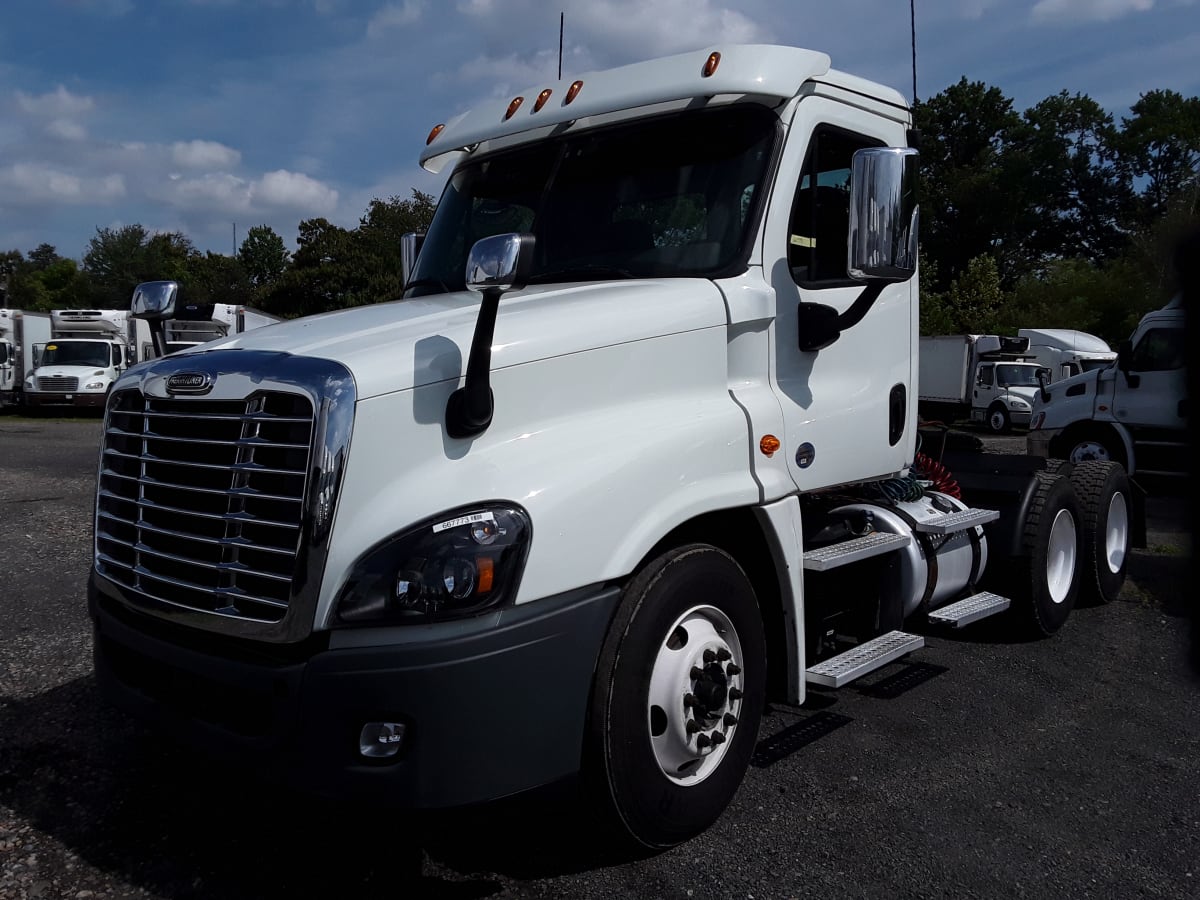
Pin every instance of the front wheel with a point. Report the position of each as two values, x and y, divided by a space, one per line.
998 420
678 695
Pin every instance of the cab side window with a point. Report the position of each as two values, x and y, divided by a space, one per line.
986 374
820 220
1159 350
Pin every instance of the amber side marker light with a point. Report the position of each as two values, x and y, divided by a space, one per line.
434 132
573 91
541 99
714 60
769 444
485 571
513 107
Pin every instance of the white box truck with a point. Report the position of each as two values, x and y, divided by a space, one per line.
1065 352
986 378
637 450
87 351
1133 411
199 324
20 332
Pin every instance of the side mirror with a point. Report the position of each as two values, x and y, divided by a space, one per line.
410 246
883 214
500 263
1042 376
155 300
1125 363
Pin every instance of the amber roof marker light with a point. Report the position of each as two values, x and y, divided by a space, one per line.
541 99
714 60
433 133
513 107
573 92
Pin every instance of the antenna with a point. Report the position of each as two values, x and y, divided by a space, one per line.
912 12
562 16
235 238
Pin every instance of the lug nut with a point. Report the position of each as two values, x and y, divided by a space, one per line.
703 741
692 727
723 654
729 719
733 669
696 673
718 738
735 694
709 656
689 700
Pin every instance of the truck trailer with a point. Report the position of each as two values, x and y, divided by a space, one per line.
638 449
20 333
87 351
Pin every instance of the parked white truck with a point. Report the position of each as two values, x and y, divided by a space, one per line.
20 333
638 447
87 351
1134 411
1065 352
986 378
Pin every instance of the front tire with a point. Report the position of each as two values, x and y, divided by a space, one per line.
1045 578
1104 496
678 696
998 420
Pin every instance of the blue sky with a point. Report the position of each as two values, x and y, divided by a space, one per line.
193 115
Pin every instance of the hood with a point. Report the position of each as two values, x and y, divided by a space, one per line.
408 343
1023 391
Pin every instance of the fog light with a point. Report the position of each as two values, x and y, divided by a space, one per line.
379 740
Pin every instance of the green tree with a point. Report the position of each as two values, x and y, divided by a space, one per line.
216 278
975 299
43 256
263 256
1159 146
118 259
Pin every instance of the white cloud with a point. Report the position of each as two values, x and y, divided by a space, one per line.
395 15
37 182
56 104
974 9
204 155
294 190
1088 10
66 129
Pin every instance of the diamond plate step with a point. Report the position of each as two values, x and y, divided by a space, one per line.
964 612
858 661
851 551
957 521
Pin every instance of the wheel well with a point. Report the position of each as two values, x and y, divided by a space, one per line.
738 533
1061 446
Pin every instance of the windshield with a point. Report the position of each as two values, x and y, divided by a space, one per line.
1017 376
672 196
77 353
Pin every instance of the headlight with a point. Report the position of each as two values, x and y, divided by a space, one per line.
93 386
458 564
1018 403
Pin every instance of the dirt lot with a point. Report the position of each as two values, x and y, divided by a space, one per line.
981 767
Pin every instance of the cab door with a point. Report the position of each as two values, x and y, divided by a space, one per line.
850 408
1159 401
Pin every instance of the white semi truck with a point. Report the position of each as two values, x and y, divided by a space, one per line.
986 378
1065 352
20 332
638 449
87 351
1133 411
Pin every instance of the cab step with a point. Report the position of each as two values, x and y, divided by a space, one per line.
865 658
851 551
954 522
972 609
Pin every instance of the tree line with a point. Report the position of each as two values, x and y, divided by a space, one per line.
1058 216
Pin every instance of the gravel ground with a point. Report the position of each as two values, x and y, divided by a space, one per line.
980 767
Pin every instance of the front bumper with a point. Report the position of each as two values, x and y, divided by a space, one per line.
78 399
492 706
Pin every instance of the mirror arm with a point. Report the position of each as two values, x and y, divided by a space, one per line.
861 306
469 409
158 335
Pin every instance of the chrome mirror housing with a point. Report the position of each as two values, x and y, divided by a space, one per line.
883 214
500 263
155 300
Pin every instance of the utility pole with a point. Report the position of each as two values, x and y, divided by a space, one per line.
562 17
912 12
235 238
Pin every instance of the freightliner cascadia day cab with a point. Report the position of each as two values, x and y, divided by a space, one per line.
637 447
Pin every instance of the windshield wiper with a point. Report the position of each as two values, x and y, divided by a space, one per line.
579 273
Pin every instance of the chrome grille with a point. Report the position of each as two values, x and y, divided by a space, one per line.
57 383
200 501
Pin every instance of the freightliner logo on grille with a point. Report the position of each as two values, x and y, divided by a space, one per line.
190 383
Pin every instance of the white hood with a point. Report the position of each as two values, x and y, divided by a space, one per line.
407 343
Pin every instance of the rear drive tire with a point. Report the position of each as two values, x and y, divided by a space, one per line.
1045 578
667 750
1104 498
